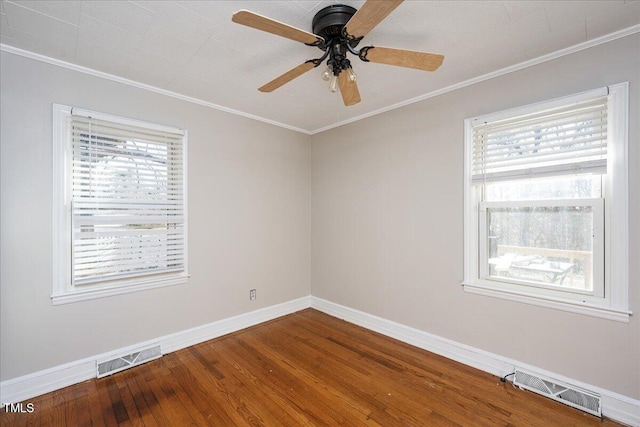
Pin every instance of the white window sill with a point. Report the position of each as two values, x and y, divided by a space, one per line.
579 307
96 292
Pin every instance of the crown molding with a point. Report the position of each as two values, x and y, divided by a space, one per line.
510 69
526 64
133 83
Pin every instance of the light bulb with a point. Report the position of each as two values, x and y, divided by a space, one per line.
333 84
352 75
326 74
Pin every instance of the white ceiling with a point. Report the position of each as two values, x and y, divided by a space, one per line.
192 48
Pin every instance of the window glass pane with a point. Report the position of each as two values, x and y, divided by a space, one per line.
566 187
550 245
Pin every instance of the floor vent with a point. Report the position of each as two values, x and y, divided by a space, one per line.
556 390
121 363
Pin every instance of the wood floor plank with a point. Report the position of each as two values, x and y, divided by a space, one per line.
305 369
143 403
388 369
81 415
292 388
95 408
355 411
257 395
170 396
194 397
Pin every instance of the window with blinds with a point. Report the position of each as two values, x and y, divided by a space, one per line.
546 202
126 201
565 139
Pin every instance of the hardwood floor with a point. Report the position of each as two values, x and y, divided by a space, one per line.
303 369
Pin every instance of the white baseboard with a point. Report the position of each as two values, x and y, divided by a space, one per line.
614 405
45 381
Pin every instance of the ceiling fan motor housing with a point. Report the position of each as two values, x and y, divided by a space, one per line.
329 21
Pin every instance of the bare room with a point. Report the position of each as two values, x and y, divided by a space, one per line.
318 212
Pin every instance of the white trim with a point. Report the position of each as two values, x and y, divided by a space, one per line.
614 405
66 297
61 266
493 290
183 339
542 106
117 79
57 377
513 68
517 67
89 114
618 192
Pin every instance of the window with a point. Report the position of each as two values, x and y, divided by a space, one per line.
119 205
546 209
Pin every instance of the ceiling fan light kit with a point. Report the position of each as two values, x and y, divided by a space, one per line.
337 31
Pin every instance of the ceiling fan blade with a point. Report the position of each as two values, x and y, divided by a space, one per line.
369 15
269 25
402 58
287 77
348 90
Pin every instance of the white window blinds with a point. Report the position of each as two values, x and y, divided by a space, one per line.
127 199
568 138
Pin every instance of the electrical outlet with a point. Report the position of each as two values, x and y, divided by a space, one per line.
252 294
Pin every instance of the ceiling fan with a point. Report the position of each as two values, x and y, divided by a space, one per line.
337 30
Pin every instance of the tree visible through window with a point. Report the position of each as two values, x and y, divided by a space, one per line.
550 242
125 194
536 223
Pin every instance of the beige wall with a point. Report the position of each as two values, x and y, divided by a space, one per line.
368 215
249 186
387 224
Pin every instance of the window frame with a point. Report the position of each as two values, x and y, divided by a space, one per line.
613 304
64 291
